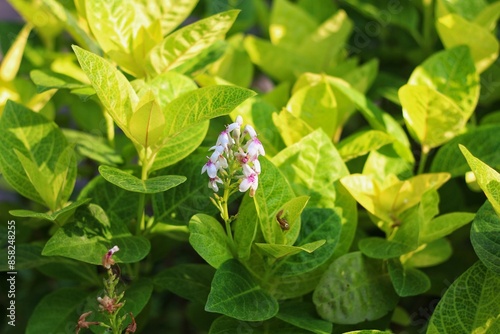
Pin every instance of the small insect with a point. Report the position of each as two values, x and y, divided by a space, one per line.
282 221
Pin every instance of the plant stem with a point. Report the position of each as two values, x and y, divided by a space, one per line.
142 200
423 159
227 220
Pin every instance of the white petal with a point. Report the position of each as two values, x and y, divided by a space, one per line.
244 185
247 170
256 166
250 130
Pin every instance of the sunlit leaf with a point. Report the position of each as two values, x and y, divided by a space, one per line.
452 73
487 177
433 118
186 43
455 30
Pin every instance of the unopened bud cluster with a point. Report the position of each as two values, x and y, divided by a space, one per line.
235 155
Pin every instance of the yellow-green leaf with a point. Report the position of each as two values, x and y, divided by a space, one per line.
487 178
432 118
455 30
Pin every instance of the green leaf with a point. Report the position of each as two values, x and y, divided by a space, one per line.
56 310
278 62
407 281
47 172
452 73
386 12
347 209
455 30
487 178
27 256
362 143
478 140
326 43
298 274
385 162
285 29
391 198
245 227
129 182
62 268
200 105
209 240
188 42
180 146
124 31
272 194
318 106
428 255
190 281
11 61
59 216
303 315
279 251
488 16
120 205
54 189
468 306
46 80
167 87
227 325
380 248
432 118
172 14
112 24
369 331
291 128
112 87
234 293
312 165
443 225
235 65
354 289
179 204
92 234
147 123
72 25
466 9
485 237
404 238
93 147
377 119
289 214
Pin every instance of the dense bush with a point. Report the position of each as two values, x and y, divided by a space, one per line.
250 167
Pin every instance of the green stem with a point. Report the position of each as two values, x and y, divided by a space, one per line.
142 201
110 129
423 159
227 220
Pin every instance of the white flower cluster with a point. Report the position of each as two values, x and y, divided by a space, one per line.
230 155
